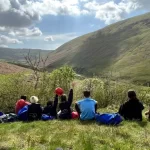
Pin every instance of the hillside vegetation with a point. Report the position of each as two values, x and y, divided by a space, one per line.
122 49
106 92
17 55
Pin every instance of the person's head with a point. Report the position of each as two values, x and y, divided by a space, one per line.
50 103
34 99
63 98
86 94
131 94
23 97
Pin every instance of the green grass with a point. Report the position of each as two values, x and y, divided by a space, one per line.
74 135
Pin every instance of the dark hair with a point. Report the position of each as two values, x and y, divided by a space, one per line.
87 94
50 103
63 98
131 94
23 97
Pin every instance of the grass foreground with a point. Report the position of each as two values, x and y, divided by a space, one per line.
74 135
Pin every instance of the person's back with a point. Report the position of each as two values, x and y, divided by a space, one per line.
20 104
86 107
34 110
65 106
51 107
132 109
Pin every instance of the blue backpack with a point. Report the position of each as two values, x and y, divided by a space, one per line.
23 113
46 117
108 118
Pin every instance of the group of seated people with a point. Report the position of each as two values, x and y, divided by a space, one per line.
85 108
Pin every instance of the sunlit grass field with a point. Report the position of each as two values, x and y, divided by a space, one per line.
75 135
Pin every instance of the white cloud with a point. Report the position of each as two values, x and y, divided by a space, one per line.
5 46
60 37
4 40
84 0
18 14
18 18
110 12
24 13
142 4
4 5
49 39
26 32
64 37
2 29
57 7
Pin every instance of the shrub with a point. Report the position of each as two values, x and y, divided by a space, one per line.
106 92
15 85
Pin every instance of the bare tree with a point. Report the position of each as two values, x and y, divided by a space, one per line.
37 64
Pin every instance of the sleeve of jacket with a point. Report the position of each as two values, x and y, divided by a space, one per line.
142 107
96 108
121 110
56 101
77 108
70 97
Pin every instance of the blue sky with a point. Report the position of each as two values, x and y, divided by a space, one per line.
47 24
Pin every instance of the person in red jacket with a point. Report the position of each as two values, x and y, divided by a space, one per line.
21 103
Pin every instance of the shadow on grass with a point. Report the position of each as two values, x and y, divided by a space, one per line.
6 148
89 122
92 122
142 123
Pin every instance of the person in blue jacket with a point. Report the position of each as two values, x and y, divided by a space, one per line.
86 107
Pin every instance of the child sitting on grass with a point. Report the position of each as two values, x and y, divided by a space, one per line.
21 103
51 107
132 109
34 110
65 106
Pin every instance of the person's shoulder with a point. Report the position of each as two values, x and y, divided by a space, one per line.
80 101
21 100
140 103
127 102
93 100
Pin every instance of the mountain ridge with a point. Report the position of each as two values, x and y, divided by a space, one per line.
122 48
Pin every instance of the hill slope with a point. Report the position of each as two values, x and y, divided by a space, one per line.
122 48
17 55
6 68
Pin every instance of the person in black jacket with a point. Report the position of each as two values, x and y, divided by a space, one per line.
65 106
132 109
34 110
51 107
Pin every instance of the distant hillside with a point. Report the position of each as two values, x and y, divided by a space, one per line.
122 49
17 55
6 68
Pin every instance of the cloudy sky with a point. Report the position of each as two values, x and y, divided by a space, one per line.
47 24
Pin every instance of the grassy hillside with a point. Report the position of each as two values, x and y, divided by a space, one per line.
122 48
17 55
6 68
74 135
